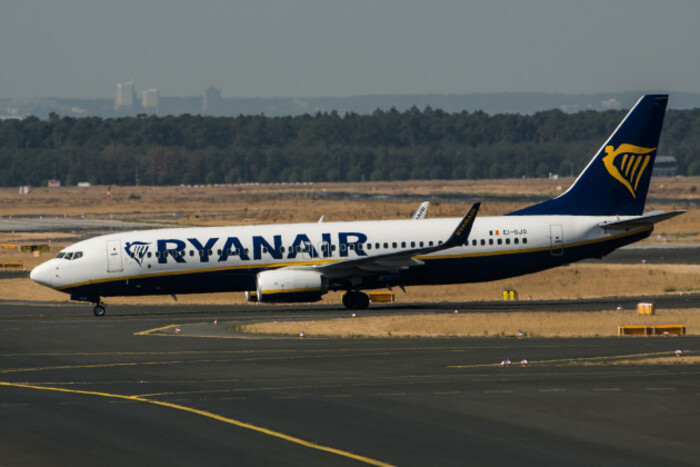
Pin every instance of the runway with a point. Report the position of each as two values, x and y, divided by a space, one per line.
78 390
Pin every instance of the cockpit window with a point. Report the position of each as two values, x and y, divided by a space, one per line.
70 255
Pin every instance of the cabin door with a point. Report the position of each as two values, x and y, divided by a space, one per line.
556 240
114 256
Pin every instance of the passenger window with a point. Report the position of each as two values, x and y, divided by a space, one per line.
333 247
218 252
430 243
282 249
369 246
149 254
483 242
524 240
516 241
421 244
351 246
490 241
264 249
499 241
440 242
403 244
386 245
507 241
473 242
394 245
191 252
376 246
343 247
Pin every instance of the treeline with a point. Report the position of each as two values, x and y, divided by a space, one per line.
391 145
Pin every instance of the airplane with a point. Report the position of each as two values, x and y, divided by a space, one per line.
286 263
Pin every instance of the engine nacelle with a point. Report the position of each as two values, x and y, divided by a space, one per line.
290 285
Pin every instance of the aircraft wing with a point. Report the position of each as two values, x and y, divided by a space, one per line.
392 262
646 219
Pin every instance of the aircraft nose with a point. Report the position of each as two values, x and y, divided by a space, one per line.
44 274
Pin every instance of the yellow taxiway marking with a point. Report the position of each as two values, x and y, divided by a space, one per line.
213 416
165 331
150 331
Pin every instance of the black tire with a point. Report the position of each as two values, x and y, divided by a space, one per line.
98 310
347 300
354 300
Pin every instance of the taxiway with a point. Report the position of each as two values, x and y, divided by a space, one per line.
78 390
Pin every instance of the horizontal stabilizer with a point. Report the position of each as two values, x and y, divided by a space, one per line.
649 218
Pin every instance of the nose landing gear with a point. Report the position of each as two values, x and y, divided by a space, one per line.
98 309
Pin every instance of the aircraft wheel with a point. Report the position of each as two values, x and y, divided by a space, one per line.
362 301
354 300
98 310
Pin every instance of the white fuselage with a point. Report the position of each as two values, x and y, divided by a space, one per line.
135 259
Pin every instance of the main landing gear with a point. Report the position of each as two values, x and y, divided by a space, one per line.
355 300
98 308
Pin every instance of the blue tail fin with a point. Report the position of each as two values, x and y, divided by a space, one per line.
616 180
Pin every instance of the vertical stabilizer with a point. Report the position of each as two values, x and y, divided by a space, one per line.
616 180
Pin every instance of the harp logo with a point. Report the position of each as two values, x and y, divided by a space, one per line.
627 164
137 250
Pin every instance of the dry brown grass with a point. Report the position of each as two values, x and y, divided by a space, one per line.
530 324
245 204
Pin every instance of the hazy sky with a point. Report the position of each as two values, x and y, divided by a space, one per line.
309 48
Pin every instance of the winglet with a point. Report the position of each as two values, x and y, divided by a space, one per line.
461 233
422 211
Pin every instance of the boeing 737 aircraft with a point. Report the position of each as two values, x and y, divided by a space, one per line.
603 210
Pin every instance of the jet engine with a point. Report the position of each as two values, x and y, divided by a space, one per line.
290 285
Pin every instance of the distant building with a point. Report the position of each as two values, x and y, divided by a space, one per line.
125 96
212 101
665 166
149 99
53 183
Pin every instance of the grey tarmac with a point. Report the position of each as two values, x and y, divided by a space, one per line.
80 390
